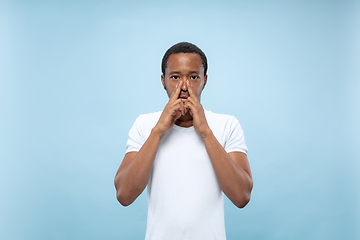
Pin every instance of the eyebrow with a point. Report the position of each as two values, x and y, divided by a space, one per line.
177 72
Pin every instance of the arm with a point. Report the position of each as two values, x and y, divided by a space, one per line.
134 171
232 170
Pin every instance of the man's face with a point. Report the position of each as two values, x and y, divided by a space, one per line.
184 66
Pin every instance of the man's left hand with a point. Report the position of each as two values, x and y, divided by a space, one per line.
197 112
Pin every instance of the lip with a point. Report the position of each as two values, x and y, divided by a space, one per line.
183 97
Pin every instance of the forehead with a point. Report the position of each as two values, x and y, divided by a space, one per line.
185 62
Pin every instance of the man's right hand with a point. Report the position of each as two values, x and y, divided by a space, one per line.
172 111
134 172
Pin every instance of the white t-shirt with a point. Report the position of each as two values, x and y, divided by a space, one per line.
185 201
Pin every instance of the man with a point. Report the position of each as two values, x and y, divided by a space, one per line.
187 156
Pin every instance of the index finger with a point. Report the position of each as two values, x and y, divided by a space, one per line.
176 92
191 90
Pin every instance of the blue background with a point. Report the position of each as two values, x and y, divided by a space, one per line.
75 75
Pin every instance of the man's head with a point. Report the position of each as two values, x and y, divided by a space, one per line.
184 61
183 47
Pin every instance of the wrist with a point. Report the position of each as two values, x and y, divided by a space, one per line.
158 132
205 133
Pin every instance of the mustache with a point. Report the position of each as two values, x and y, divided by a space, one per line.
184 92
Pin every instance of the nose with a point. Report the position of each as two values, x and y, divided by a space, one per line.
184 86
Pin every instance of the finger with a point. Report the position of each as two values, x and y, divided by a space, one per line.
189 106
190 89
186 110
177 106
176 115
176 92
182 108
193 101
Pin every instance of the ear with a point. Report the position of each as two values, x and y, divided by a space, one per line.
205 81
163 81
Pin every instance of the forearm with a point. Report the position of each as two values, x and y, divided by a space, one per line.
134 171
131 179
234 181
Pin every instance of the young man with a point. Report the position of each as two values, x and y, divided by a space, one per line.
187 156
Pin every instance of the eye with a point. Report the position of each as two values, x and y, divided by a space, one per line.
194 77
175 77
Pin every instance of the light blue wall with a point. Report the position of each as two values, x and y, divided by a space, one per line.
74 75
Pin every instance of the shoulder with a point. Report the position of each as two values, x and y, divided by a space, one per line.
150 116
222 124
217 118
147 120
228 131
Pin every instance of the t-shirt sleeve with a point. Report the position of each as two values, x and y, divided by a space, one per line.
136 136
236 139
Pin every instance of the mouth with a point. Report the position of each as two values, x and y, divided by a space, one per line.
183 96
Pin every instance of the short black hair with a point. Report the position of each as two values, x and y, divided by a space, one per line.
184 47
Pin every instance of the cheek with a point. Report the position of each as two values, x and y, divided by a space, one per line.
171 84
197 92
169 90
198 88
